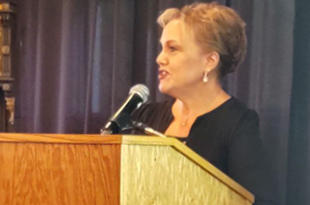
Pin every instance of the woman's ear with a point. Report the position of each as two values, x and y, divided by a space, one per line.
212 60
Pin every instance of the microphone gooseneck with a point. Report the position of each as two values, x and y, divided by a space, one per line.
147 130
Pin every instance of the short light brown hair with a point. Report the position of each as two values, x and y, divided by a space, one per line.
216 27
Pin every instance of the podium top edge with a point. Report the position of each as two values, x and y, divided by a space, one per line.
85 139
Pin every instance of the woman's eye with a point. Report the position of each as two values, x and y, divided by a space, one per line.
172 48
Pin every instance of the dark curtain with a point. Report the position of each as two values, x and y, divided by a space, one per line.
77 59
299 138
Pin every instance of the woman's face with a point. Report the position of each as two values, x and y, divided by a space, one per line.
181 61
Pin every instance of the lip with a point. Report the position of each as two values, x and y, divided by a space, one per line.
162 74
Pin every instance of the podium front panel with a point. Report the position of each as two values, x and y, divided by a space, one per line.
162 175
58 174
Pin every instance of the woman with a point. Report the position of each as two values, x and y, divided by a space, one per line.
201 43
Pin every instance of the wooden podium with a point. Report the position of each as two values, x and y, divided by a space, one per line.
50 169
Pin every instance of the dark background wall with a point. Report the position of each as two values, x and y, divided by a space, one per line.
77 59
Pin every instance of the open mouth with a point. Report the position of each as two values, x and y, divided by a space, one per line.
162 74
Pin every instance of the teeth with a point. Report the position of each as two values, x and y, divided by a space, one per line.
162 74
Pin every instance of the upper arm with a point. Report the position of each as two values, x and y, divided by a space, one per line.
247 162
245 147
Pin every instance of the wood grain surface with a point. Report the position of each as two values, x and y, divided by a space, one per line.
56 174
86 169
194 157
61 138
161 175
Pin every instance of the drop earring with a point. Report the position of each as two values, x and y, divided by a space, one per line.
205 77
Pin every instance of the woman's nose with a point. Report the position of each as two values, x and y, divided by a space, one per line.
161 59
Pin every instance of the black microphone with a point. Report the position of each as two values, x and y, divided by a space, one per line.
121 120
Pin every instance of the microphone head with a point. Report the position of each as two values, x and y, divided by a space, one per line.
141 90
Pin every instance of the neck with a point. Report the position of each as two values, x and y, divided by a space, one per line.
203 100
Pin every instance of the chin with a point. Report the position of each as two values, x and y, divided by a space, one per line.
161 88
165 89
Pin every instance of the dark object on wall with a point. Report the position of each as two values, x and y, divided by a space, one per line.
7 99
